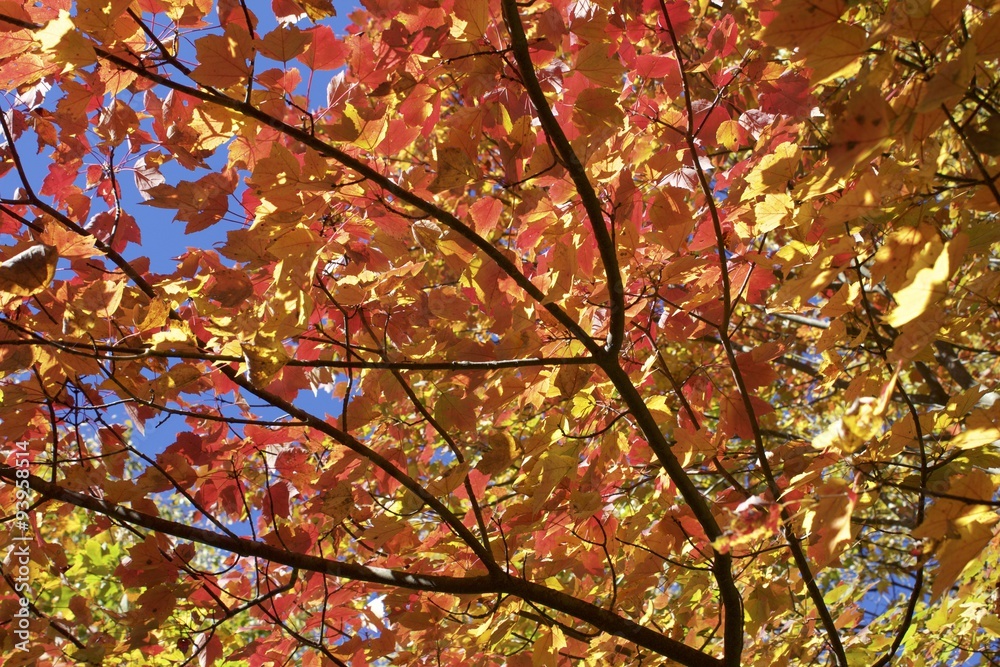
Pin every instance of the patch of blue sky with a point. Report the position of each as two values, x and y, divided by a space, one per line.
163 240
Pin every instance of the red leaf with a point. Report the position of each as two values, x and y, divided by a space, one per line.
325 51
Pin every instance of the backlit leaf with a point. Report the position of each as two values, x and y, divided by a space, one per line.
29 271
223 59
66 43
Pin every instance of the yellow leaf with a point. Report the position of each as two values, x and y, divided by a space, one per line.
800 289
775 211
263 362
545 650
837 54
177 337
347 127
596 107
477 631
976 437
337 501
29 272
861 200
961 530
594 63
802 22
178 377
426 233
915 336
829 522
452 409
61 39
213 125
905 252
929 284
862 130
277 178
372 132
156 315
318 9
104 20
931 20
572 378
499 452
939 521
843 301
472 19
991 624
774 171
949 82
862 421
728 134
564 266
692 447
964 402
671 217
450 481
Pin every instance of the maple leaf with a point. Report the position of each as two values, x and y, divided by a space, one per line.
223 60
263 362
62 39
29 271
958 530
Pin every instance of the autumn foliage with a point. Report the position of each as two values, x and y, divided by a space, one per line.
603 332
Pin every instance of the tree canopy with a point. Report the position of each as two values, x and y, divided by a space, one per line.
545 333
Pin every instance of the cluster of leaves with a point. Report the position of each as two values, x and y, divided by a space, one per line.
610 332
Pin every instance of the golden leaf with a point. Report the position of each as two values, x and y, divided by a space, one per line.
15 358
594 63
837 54
318 9
828 522
958 529
426 234
263 362
29 272
802 22
860 423
693 447
454 169
929 284
223 59
61 39
861 131
499 452
775 211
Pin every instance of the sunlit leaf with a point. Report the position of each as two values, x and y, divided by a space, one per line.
29 271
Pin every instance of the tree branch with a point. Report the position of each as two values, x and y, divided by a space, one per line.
495 582
429 209
588 197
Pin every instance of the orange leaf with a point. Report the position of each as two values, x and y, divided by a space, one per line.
223 60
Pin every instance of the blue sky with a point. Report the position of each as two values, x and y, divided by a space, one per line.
164 239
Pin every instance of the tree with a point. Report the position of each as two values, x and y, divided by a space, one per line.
629 332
